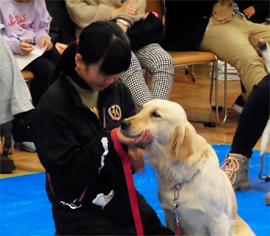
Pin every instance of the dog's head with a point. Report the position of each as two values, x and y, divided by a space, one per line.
167 121
222 11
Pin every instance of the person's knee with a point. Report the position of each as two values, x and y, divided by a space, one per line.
162 62
263 85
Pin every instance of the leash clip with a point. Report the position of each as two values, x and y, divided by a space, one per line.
177 188
74 205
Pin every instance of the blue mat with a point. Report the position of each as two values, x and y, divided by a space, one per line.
26 211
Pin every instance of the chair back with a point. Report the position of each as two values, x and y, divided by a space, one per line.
157 6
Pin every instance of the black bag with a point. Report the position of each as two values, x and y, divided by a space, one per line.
145 31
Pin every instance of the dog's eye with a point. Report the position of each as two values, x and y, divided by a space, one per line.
155 114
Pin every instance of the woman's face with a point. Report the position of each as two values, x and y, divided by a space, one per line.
92 75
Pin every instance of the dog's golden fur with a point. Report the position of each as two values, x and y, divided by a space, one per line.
222 11
207 203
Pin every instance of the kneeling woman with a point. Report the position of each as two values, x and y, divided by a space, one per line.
71 130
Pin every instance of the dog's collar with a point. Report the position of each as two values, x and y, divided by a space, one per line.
177 187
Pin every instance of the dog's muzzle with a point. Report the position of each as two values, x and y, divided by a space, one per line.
125 124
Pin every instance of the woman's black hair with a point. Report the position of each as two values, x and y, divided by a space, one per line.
100 40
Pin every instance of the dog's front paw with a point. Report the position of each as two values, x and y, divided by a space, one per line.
262 44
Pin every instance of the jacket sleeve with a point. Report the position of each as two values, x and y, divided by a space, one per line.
261 6
140 5
62 154
54 32
14 44
83 13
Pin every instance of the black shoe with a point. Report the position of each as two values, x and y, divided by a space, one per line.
6 164
239 104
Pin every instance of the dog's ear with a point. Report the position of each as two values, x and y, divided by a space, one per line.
181 142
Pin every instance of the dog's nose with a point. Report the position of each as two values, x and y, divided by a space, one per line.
125 124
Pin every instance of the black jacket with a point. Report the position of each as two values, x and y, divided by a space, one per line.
68 137
186 22
262 9
62 28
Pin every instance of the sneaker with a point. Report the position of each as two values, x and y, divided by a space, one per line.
267 199
29 146
235 167
6 164
238 104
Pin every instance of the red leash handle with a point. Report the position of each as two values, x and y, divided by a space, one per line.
130 182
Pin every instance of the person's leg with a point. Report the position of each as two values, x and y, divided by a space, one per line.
6 164
134 80
161 66
230 42
251 124
53 55
43 70
252 120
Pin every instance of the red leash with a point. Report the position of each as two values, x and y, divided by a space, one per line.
129 180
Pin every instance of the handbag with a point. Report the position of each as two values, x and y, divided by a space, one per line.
145 31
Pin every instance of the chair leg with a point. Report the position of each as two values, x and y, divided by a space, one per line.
216 107
191 74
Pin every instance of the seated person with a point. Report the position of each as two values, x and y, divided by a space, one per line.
71 130
29 10
190 25
62 28
15 99
157 61
30 21
251 124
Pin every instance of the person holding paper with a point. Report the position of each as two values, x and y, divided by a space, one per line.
29 20
25 26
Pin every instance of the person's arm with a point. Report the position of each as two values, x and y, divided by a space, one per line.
65 158
135 153
124 14
261 6
13 43
82 14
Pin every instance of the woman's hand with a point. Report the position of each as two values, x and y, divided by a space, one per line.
44 41
249 12
144 138
60 47
136 159
127 9
25 47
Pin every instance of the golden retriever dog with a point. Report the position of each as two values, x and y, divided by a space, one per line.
222 11
195 194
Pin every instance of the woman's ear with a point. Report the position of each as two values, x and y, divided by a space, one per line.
79 60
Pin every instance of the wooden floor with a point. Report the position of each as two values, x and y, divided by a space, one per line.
193 96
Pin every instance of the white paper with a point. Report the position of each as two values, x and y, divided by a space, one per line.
24 60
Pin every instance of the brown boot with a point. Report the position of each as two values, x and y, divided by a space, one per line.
236 167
